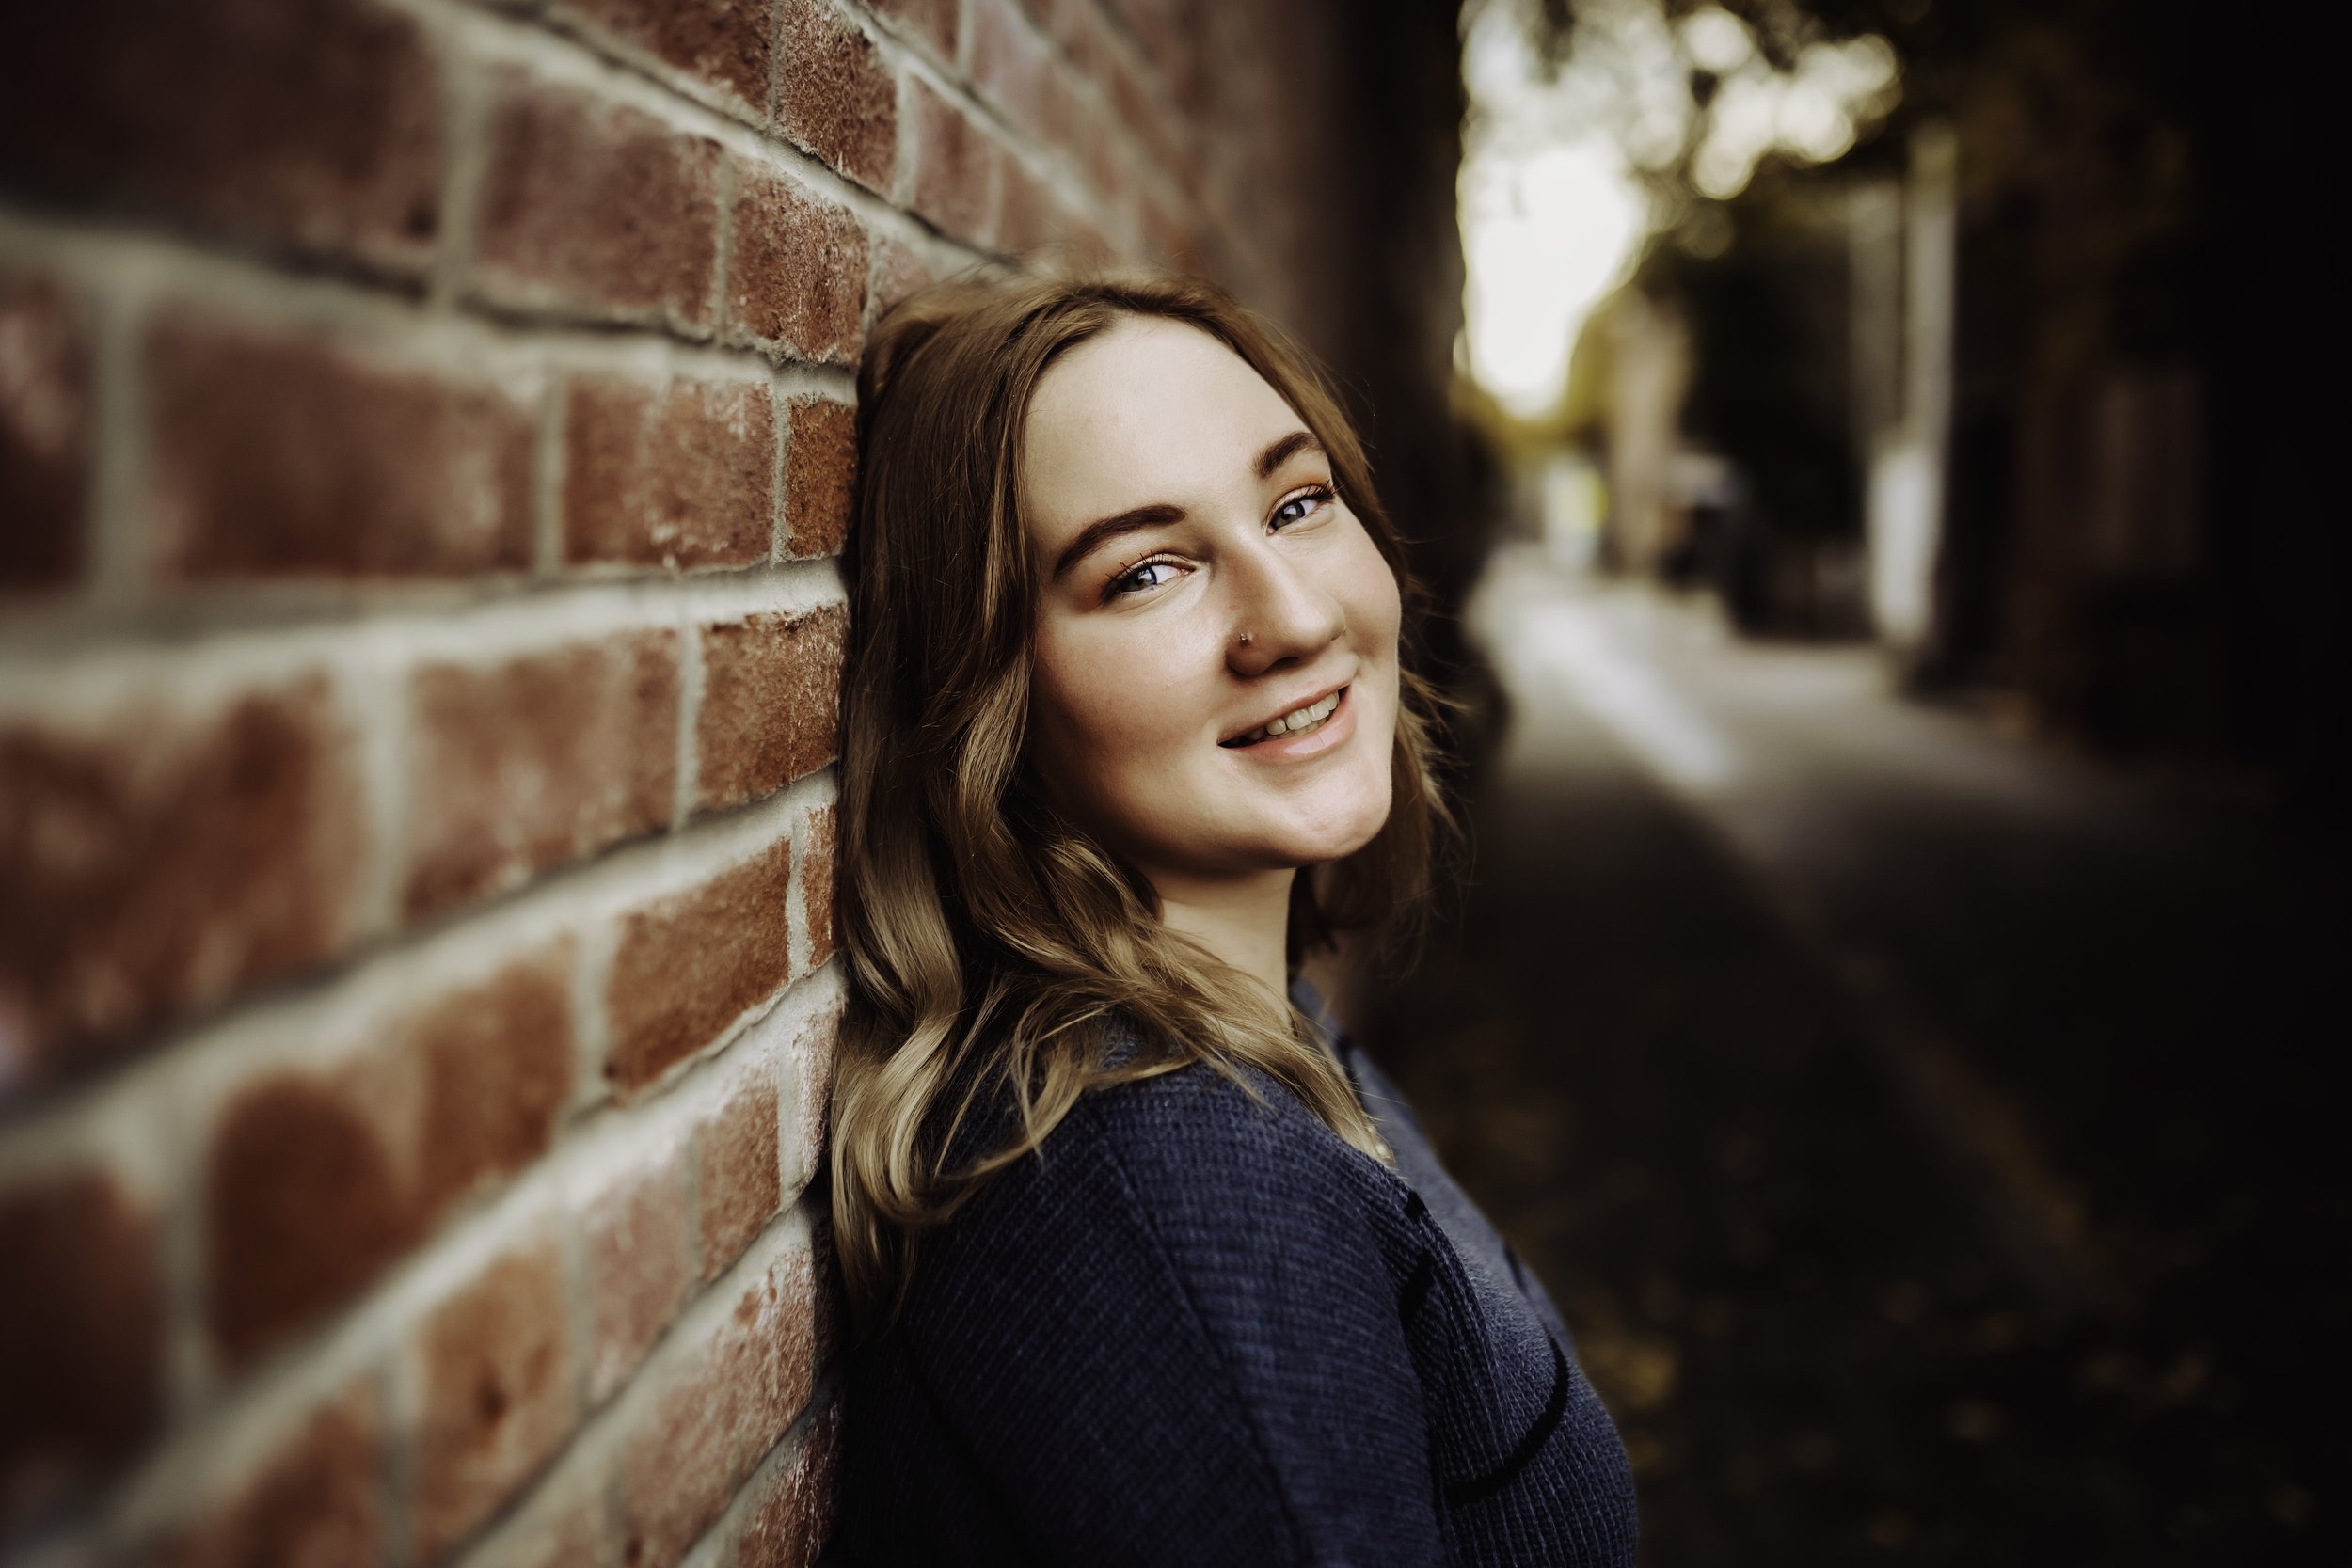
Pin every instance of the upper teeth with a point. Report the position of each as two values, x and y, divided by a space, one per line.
1297 719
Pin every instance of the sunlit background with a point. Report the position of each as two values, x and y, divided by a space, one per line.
1562 160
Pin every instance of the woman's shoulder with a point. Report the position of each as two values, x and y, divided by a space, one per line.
1193 1161
1190 1130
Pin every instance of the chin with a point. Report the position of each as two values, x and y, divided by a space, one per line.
1346 829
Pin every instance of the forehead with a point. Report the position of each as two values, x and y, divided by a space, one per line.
1144 412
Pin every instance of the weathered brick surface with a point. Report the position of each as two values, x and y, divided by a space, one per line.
724 43
897 273
807 1134
687 966
307 1198
1028 216
637 1259
955 168
597 207
718 1416
1009 62
835 97
44 433
817 883
496 1059
931 20
521 766
318 1178
820 476
740 1182
499 1395
82 1266
563 1524
317 1500
674 474
791 1525
155 861
796 278
771 709
277 457
310 122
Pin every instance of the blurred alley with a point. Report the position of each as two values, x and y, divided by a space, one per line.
1920 1127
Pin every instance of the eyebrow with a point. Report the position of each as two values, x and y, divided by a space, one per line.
1160 513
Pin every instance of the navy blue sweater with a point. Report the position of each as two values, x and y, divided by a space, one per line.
1200 1330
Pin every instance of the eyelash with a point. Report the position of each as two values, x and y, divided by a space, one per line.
1323 492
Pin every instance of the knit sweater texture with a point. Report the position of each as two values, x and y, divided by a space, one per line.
1199 1329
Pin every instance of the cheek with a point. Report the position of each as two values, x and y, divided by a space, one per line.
1098 722
1369 593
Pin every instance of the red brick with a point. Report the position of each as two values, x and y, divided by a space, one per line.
1085 35
1138 109
955 169
933 20
638 1269
498 1396
591 206
497 1058
1030 217
689 965
901 274
771 702
81 1323
835 97
310 122
564 1524
819 477
791 1525
717 1417
155 861
306 1201
741 1186
677 474
1169 238
797 277
817 883
1065 121
1009 62
44 435
1105 162
316 1502
813 1056
288 457
543 759
723 43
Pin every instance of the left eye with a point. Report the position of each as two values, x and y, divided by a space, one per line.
1286 512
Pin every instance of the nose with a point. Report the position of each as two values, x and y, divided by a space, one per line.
1289 614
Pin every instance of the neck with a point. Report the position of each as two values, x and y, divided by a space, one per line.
1244 921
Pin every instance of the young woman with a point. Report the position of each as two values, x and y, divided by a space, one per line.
1147 1264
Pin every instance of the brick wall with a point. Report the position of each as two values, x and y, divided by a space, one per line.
424 443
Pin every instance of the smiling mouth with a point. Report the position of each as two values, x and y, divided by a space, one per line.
1298 722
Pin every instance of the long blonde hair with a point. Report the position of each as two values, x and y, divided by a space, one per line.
990 942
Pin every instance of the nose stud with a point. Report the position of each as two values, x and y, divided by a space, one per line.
1245 640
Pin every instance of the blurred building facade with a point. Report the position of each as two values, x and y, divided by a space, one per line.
424 443
2018 382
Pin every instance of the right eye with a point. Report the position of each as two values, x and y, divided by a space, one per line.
1138 578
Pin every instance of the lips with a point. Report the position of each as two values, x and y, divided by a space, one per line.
1310 715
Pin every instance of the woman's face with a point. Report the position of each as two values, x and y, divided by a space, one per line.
1202 583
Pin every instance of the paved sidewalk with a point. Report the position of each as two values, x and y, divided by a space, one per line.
1922 1128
